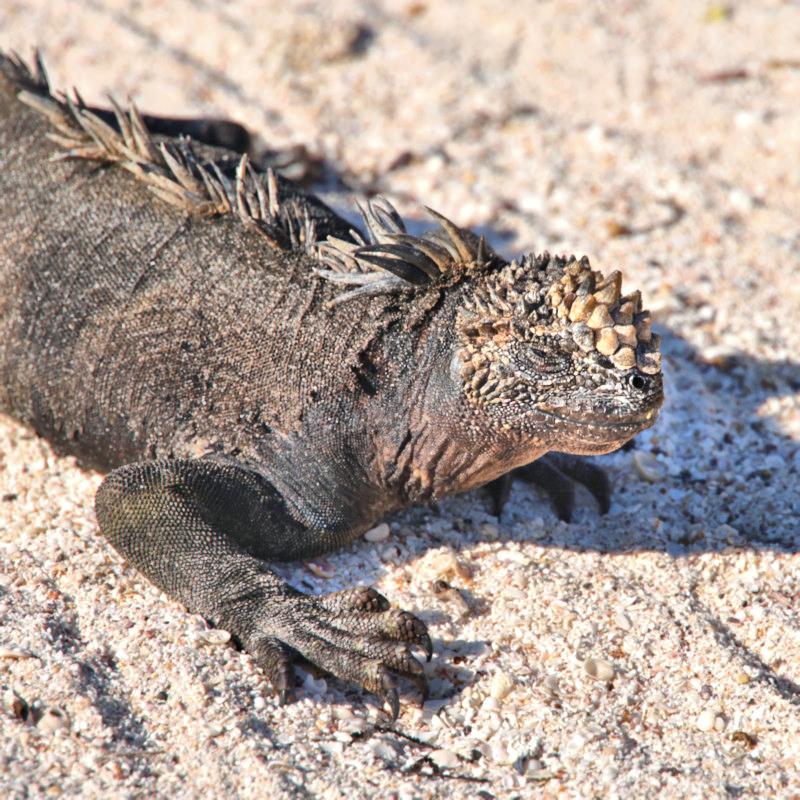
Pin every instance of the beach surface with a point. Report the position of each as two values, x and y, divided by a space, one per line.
650 652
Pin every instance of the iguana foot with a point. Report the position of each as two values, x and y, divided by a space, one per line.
353 635
557 474
185 524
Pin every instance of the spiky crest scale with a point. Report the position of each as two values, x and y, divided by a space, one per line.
546 297
591 305
172 169
389 261
408 260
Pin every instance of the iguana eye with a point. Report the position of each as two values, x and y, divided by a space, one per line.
637 382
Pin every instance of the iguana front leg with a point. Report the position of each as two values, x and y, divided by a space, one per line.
201 532
557 474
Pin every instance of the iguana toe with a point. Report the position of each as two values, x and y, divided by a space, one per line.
275 659
359 598
394 703
371 648
401 626
587 473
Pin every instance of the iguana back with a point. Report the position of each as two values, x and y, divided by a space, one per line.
131 328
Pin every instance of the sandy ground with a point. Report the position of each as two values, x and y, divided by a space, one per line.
660 138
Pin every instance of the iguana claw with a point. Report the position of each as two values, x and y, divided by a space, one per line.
394 703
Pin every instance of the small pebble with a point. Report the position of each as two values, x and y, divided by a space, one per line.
742 677
451 595
728 534
610 772
321 568
533 767
355 725
334 748
378 534
647 466
623 621
439 565
114 770
315 686
214 637
747 739
489 531
19 707
499 753
707 720
598 669
502 685
445 758
569 619
576 744
382 749
53 719
551 683
12 652
490 704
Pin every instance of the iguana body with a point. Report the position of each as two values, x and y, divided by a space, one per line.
174 323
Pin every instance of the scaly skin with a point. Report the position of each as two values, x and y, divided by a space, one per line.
262 382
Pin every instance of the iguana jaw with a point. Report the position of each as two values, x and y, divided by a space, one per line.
445 457
636 422
593 435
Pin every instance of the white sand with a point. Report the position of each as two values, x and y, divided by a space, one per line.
660 138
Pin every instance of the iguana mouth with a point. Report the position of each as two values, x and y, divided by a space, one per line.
640 421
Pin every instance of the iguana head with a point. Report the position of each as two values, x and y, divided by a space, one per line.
546 348
552 344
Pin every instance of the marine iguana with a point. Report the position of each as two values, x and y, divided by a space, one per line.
262 381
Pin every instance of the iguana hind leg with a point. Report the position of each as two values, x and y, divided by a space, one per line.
200 531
